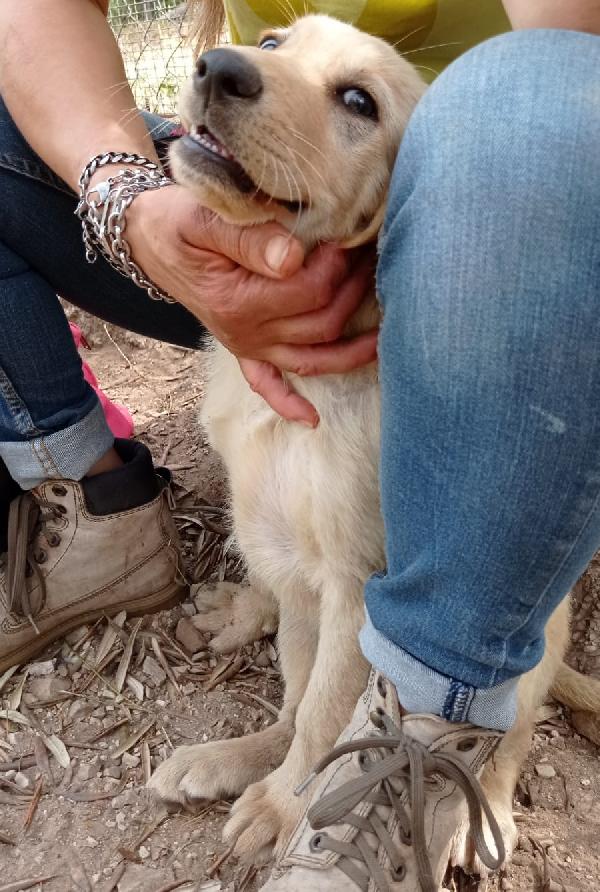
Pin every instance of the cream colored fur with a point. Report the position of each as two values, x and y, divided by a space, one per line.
305 502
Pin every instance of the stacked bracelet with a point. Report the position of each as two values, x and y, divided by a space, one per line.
102 211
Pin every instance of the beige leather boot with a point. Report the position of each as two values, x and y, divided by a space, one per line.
391 796
77 551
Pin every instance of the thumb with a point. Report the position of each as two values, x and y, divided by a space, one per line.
267 249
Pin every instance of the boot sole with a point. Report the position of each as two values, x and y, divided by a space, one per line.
168 597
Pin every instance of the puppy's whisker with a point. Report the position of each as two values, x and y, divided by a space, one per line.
409 35
262 174
310 144
427 68
287 10
434 46
291 151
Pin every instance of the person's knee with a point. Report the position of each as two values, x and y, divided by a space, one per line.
516 118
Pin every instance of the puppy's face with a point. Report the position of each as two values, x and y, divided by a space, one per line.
302 129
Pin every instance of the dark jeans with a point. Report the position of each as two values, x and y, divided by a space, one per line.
51 423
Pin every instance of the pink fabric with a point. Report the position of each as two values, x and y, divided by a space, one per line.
118 417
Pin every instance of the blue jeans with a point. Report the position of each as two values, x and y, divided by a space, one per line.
490 363
490 366
51 423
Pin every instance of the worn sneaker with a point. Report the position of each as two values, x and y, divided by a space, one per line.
392 795
77 551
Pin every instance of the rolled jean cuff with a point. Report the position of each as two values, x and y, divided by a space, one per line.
423 690
67 454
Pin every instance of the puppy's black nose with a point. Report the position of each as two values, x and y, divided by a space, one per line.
225 73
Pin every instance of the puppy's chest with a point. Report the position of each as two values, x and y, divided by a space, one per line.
301 499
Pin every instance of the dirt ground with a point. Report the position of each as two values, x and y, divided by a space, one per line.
82 727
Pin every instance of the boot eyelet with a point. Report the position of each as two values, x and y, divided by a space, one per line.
59 490
435 781
405 837
315 843
377 717
40 556
61 509
381 686
399 873
363 761
466 745
53 540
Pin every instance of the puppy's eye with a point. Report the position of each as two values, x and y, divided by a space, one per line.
268 43
358 101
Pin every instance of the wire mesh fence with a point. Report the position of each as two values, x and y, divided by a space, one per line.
155 38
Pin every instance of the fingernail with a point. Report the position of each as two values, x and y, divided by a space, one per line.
277 251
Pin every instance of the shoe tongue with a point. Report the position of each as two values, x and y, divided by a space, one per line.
9 490
135 483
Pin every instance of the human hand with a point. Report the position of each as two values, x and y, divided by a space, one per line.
255 291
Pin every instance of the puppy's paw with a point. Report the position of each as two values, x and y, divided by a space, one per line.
462 851
263 819
239 614
205 771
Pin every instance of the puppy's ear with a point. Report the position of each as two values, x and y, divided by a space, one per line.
369 232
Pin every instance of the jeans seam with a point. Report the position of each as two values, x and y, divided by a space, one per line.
22 416
34 171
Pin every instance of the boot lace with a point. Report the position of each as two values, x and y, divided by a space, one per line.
393 764
27 519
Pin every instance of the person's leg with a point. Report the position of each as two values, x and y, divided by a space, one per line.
490 367
51 423
92 533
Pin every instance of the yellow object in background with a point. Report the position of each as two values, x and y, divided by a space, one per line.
433 32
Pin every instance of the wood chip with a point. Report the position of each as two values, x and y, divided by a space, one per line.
37 795
163 662
212 870
225 671
109 637
123 666
6 676
27 883
55 746
84 796
146 763
11 715
133 738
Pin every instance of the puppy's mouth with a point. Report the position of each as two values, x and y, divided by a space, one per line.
204 144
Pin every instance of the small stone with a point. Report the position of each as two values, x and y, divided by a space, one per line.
38 670
91 843
86 771
136 687
189 637
21 780
506 885
585 781
263 660
130 760
121 821
144 852
543 769
49 686
113 771
155 672
77 635
188 608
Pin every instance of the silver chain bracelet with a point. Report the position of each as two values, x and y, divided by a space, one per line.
103 219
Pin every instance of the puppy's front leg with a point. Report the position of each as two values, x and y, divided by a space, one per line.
266 815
